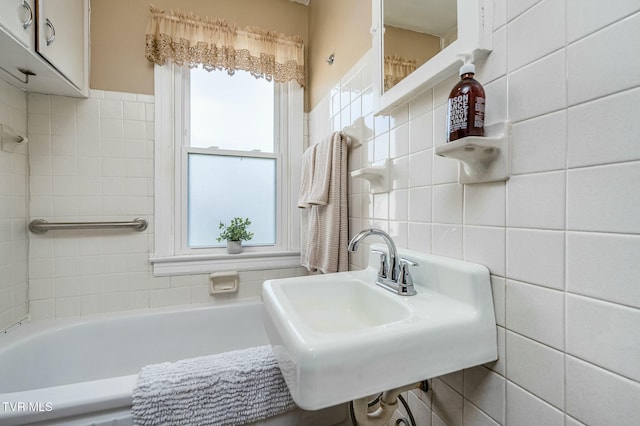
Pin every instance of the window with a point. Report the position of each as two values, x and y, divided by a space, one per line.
232 168
223 145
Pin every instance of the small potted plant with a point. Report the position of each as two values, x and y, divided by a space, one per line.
235 232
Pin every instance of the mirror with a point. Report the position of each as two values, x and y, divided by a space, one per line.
414 32
423 40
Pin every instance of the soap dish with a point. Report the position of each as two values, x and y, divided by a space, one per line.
378 177
482 159
223 282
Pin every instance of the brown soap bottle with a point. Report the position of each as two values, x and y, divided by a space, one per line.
465 115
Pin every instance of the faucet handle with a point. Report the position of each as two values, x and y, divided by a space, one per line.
382 271
407 262
405 281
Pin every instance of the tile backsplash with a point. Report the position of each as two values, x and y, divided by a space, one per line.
561 237
14 196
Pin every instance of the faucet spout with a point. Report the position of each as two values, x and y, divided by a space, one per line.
393 269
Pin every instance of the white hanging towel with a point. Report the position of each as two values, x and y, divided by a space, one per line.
326 231
308 165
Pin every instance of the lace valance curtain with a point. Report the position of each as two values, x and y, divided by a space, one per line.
396 68
216 44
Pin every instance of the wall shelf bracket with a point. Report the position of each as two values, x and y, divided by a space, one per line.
358 132
378 177
10 138
482 159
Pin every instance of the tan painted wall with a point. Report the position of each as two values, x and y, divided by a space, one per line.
118 31
410 44
341 27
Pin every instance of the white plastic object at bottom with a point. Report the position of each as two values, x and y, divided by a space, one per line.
223 282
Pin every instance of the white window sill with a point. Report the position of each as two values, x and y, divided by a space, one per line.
207 263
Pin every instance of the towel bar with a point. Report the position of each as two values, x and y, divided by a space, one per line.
40 226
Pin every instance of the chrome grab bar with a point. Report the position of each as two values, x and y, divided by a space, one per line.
40 226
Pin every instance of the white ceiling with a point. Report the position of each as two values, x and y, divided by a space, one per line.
434 17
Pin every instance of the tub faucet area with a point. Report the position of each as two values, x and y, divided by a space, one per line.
392 275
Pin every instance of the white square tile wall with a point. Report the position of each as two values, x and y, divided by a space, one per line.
561 237
90 160
14 196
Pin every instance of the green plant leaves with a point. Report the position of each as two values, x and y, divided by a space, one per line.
236 230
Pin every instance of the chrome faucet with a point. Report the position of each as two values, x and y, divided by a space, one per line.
394 274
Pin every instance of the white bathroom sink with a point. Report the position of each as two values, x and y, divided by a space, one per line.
339 337
356 308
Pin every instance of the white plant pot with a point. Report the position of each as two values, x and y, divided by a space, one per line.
234 247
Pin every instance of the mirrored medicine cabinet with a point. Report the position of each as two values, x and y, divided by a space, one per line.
419 43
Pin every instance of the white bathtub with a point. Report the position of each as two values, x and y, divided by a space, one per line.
82 372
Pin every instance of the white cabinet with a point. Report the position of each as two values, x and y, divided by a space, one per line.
17 17
61 35
51 55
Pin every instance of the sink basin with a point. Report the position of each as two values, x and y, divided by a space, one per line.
357 308
339 337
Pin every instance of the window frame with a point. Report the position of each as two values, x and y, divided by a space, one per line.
170 255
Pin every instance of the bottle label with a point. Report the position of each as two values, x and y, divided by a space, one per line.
478 118
458 112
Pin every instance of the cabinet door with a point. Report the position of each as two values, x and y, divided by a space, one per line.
17 17
62 37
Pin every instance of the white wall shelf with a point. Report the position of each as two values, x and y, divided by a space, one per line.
482 158
378 177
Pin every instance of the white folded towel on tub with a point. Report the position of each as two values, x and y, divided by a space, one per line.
231 388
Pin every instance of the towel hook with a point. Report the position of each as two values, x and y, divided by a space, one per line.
331 58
